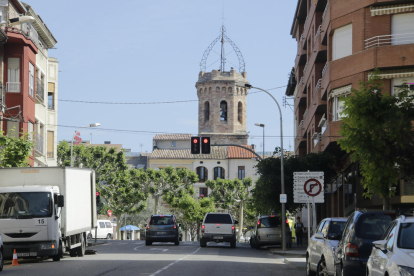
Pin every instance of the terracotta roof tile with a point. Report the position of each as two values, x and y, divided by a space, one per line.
172 137
216 153
240 153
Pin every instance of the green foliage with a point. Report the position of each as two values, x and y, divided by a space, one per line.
14 152
378 132
226 192
265 195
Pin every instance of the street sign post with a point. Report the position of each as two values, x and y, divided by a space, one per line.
308 187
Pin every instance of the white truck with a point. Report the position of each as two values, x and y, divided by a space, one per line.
46 211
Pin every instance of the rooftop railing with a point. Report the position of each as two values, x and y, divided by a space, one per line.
387 40
325 11
325 68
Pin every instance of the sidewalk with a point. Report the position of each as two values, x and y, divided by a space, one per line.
295 255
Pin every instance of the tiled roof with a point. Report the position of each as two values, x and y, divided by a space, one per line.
240 153
172 137
216 153
108 146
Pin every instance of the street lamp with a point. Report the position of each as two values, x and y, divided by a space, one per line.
282 176
263 126
71 146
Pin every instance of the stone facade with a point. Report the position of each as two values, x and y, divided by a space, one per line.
223 125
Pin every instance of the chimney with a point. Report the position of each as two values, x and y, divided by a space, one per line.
107 142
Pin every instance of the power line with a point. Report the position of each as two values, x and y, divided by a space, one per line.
144 103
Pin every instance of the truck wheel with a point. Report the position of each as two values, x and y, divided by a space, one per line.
81 249
89 236
59 255
109 237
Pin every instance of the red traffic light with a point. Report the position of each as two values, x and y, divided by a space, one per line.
205 141
195 145
195 141
97 193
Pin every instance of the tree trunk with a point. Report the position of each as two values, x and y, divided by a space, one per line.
198 231
240 220
156 197
118 227
386 202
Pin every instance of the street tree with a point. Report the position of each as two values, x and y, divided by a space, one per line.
378 133
265 194
15 151
170 184
226 193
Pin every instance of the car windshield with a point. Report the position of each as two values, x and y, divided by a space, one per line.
218 218
161 221
25 205
405 236
373 226
268 222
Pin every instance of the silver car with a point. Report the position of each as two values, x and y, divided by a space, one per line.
268 231
320 252
394 254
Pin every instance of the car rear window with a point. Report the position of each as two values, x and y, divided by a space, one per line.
269 222
405 237
373 226
218 218
161 221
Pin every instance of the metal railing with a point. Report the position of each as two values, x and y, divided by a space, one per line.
27 30
387 40
304 69
300 126
301 37
305 113
325 68
325 11
13 87
40 89
318 85
39 142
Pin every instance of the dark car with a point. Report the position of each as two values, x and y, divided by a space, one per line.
162 228
354 248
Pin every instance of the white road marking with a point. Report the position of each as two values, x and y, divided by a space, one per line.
171 264
163 250
136 248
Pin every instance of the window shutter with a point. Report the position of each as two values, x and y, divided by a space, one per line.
51 87
342 42
402 24
50 142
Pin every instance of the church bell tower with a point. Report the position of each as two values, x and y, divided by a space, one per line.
222 102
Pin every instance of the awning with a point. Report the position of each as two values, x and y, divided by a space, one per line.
396 73
341 91
391 9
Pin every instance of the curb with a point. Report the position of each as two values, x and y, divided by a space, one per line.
296 264
289 253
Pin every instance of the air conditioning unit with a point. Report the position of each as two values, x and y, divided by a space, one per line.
315 136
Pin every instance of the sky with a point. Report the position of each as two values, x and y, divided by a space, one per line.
135 51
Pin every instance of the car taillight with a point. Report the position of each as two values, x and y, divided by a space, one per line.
148 226
203 227
352 250
233 229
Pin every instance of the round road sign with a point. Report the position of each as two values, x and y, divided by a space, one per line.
312 187
110 213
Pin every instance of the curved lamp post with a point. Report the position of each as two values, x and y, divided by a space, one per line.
282 176
71 146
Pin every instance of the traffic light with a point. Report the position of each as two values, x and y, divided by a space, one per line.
195 145
205 145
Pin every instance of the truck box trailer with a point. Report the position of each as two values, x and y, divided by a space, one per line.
46 211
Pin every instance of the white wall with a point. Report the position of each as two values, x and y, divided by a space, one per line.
249 164
178 144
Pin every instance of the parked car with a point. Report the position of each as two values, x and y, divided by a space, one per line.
162 228
268 231
353 250
394 254
105 230
218 227
320 252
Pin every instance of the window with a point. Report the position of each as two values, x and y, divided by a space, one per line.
31 80
218 173
30 130
223 111
325 229
397 85
270 222
391 237
13 129
162 220
50 144
13 75
173 144
240 112
342 42
51 95
108 224
101 224
202 174
320 227
241 172
402 25
206 111
372 226
405 236
203 192
218 218
338 107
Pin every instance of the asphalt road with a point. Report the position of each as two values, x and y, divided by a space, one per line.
134 258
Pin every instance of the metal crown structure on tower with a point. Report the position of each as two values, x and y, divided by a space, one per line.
224 38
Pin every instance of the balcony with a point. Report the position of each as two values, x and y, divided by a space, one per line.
387 40
40 90
26 29
50 154
13 87
38 144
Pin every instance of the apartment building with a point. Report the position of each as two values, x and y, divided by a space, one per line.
26 72
341 42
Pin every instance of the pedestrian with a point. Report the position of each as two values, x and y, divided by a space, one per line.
299 231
